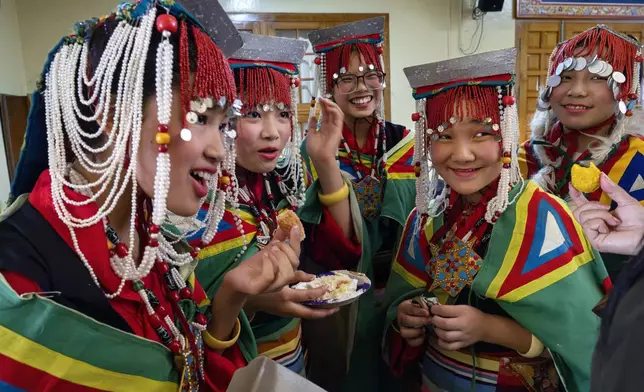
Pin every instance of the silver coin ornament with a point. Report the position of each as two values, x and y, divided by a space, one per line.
593 60
495 127
581 64
619 77
596 67
622 107
209 103
553 81
192 117
606 71
559 69
568 63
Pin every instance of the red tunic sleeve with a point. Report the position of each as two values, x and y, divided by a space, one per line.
20 284
400 355
330 248
219 368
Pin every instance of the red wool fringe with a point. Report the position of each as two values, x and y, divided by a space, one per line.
262 85
213 77
340 57
608 46
184 71
476 102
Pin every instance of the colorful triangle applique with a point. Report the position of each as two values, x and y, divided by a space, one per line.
632 178
549 243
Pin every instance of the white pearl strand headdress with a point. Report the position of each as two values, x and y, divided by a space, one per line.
130 44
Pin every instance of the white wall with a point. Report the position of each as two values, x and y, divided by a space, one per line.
12 75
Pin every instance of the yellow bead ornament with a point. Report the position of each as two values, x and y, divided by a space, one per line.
162 138
506 160
585 179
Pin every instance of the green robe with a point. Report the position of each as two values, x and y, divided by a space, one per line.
365 318
274 336
539 268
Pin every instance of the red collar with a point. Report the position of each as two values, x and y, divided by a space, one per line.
91 240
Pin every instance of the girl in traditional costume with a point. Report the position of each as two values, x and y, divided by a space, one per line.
374 157
589 113
512 279
266 181
96 292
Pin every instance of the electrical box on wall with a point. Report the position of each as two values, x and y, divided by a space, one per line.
490 5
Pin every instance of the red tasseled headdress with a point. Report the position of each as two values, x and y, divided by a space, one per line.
340 57
213 77
480 102
609 46
263 85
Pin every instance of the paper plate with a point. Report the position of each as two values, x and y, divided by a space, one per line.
364 284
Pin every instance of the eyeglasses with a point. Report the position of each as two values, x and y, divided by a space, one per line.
348 83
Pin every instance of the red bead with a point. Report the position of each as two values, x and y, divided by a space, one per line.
639 59
153 242
167 22
629 113
380 50
506 166
632 96
154 229
155 321
296 82
201 319
506 154
162 148
161 311
163 268
174 296
508 100
317 61
271 197
185 293
195 252
162 128
121 250
383 164
415 117
175 347
497 214
494 219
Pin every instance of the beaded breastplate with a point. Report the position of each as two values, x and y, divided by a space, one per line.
453 265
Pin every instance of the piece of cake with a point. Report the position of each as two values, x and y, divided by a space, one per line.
585 179
287 220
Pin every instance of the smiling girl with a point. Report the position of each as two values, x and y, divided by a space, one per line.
266 180
96 293
374 157
589 112
513 278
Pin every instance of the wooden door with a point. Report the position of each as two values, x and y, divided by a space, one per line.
537 40
13 114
